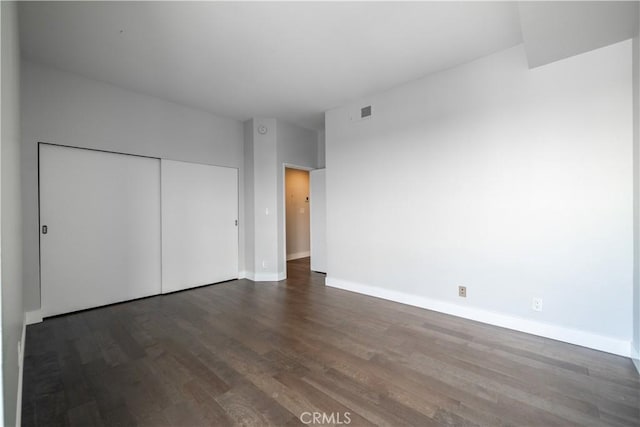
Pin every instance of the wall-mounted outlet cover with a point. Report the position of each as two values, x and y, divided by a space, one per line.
462 291
536 304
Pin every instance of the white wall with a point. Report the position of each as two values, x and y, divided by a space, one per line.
297 213
321 149
248 222
296 146
318 205
264 194
636 202
516 183
64 108
10 213
266 156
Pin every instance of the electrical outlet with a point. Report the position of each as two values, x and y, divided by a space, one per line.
536 304
462 291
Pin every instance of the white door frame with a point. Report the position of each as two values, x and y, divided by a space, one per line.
283 208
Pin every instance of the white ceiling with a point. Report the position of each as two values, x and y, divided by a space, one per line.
291 61
554 30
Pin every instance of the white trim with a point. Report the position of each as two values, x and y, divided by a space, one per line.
242 274
20 372
32 317
617 346
635 357
265 277
298 255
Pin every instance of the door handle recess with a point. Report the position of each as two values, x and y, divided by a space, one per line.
45 229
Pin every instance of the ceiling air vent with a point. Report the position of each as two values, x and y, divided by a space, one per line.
365 112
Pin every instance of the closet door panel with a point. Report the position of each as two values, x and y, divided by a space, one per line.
199 224
100 228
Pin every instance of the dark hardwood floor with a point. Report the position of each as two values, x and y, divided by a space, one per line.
267 354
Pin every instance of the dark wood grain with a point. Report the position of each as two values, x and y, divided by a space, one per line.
245 353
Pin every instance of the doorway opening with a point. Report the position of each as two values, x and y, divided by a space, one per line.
297 219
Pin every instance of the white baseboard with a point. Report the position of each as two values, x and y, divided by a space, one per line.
635 357
20 372
31 317
242 274
573 336
265 277
298 255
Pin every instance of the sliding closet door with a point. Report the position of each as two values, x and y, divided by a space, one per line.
199 224
100 228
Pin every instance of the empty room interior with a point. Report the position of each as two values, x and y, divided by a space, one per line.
320 213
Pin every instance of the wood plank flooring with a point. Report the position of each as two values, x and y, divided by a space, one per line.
244 353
